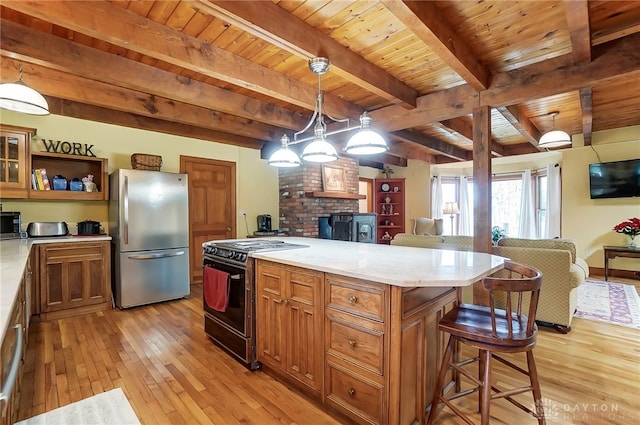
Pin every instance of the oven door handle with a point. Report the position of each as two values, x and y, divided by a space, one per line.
231 276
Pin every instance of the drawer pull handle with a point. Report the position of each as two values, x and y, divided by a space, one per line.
353 299
285 302
352 392
352 343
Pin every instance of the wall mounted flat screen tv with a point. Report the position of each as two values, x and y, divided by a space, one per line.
619 179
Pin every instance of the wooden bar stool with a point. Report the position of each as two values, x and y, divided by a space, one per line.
491 331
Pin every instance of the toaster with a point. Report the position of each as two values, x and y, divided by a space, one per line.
47 228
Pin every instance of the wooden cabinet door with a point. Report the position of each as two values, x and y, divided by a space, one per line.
15 168
270 335
74 275
289 321
303 321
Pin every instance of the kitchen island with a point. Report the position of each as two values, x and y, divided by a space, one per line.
356 325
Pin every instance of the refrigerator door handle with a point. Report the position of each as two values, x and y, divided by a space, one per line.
125 208
154 256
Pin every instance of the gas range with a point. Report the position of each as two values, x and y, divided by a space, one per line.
237 252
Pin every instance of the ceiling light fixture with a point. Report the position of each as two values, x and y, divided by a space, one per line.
365 142
554 138
19 97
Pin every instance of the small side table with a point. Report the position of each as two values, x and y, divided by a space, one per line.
617 251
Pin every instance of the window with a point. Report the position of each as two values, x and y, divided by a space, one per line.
506 194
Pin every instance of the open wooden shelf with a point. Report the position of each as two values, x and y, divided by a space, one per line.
71 166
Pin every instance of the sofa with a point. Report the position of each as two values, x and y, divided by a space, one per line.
562 270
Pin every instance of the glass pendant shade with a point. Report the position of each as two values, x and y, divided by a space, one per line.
554 138
366 141
284 157
319 150
19 97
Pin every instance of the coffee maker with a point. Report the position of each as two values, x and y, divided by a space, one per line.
264 223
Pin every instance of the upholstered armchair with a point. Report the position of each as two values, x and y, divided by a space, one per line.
427 226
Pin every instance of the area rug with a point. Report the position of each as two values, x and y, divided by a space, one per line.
610 302
108 408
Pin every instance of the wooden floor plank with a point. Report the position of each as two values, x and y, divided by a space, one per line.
172 373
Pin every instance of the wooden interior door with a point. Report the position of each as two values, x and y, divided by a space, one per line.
212 205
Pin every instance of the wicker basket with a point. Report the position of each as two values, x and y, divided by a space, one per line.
143 161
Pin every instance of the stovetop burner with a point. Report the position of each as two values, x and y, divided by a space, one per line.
237 252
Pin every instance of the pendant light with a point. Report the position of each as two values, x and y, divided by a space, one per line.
365 141
19 97
284 157
554 138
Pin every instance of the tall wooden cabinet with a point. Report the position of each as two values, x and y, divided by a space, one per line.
289 322
15 168
389 201
75 278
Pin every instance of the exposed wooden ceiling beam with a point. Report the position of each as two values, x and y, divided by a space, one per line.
427 22
275 25
618 59
462 128
577 14
63 55
84 111
586 100
128 30
434 144
67 86
520 122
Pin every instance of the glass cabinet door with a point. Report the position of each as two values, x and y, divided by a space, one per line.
10 154
14 175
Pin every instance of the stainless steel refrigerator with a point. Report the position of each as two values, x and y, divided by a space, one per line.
149 224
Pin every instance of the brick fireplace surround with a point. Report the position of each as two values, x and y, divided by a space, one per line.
298 212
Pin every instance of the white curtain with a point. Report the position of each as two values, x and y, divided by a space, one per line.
464 225
527 213
436 198
554 199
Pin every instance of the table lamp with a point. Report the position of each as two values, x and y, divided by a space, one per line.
452 209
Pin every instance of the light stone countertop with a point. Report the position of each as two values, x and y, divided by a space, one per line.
389 264
13 260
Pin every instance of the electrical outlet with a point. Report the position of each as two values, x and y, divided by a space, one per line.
242 213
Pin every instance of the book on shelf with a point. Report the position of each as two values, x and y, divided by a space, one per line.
42 181
39 181
34 181
45 179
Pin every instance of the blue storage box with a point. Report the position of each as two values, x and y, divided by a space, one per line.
59 183
76 185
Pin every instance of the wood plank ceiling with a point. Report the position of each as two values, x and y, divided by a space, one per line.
236 71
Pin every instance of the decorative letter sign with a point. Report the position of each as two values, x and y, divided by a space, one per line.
68 148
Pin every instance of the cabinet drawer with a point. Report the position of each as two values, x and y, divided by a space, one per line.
355 395
367 301
356 341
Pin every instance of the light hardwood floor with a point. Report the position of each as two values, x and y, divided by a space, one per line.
173 374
